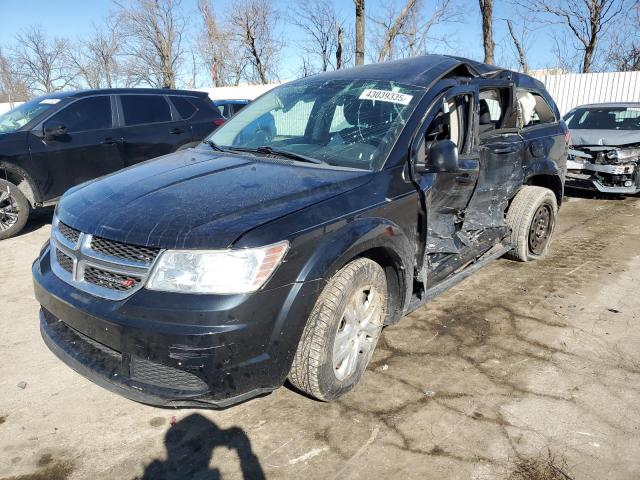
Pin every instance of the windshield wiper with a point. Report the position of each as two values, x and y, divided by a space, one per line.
266 150
215 146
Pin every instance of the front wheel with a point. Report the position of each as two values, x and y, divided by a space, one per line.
342 331
532 219
14 210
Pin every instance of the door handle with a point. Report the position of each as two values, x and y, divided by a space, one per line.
109 141
176 131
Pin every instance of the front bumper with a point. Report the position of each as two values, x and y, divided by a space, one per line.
616 179
175 349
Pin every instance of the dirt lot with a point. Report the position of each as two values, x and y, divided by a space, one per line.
524 371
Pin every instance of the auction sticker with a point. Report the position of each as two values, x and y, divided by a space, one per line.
385 96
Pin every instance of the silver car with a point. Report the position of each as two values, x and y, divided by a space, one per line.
604 153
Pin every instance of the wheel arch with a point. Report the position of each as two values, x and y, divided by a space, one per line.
377 239
551 182
21 179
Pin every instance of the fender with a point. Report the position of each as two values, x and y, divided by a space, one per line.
379 237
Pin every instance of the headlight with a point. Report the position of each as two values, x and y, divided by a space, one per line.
216 271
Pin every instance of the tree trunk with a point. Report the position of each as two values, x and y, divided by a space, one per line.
339 49
486 9
359 32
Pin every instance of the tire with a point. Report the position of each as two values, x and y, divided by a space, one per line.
532 219
336 325
14 210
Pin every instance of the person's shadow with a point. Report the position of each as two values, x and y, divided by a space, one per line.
190 444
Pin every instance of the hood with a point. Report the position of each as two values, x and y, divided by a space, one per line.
14 139
612 138
198 199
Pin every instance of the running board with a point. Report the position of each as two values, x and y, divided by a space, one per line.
496 252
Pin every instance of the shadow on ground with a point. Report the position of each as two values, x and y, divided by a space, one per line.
190 446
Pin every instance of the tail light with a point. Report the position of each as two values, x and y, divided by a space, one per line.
567 137
218 121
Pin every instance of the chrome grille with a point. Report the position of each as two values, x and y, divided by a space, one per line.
101 267
69 233
65 261
135 253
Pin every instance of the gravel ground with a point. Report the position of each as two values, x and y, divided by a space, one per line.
523 371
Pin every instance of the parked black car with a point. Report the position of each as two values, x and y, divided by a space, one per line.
228 108
212 275
57 141
604 155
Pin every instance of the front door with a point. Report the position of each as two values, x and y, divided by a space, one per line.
445 195
89 148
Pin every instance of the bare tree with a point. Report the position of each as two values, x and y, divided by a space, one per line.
95 60
223 61
320 25
359 31
12 87
585 20
41 60
153 30
624 44
254 23
486 11
393 27
518 45
405 32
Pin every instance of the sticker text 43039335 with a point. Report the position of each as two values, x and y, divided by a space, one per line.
385 96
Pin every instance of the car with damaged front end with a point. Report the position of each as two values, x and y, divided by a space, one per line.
214 274
604 155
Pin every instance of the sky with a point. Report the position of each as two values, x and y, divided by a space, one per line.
75 19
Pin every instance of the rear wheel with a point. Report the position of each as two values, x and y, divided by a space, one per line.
14 210
532 218
342 331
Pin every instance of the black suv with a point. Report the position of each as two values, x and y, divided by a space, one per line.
57 141
214 274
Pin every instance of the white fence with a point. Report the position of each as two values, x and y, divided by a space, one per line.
569 90
5 107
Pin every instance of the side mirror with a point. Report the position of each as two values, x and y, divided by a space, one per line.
54 129
441 156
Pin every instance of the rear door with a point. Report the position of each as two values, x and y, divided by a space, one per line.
151 127
200 114
90 147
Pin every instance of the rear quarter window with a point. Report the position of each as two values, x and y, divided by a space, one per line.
533 109
184 106
143 109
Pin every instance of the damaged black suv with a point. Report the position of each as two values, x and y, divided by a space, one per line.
211 275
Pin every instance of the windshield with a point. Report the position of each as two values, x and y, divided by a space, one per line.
338 122
15 119
618 118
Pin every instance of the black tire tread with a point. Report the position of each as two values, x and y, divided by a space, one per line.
305 370
519 217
